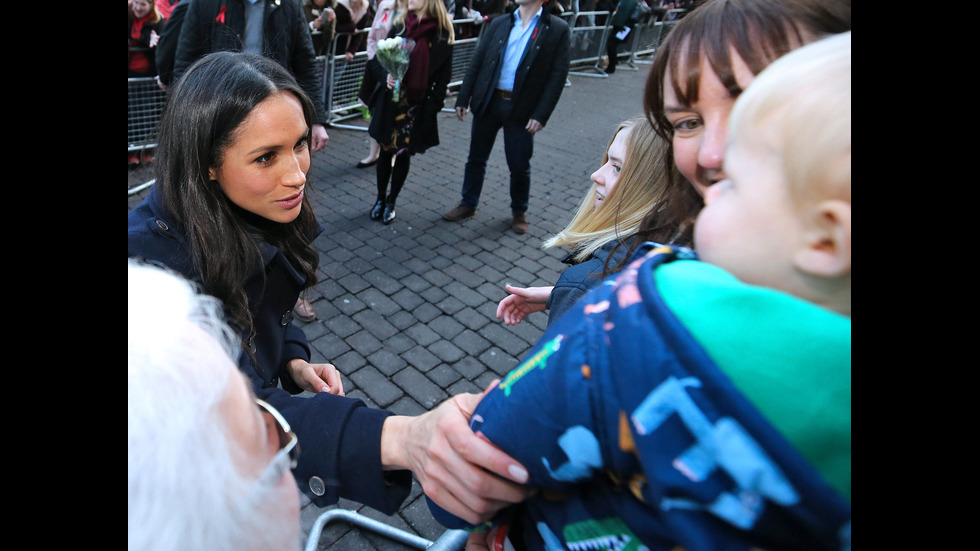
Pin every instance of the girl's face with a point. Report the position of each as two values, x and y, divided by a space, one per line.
141 8
264 169
416 5
700 129
608 174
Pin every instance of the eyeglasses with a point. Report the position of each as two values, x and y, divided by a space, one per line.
288 455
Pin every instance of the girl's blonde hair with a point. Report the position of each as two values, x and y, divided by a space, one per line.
639 189
432 8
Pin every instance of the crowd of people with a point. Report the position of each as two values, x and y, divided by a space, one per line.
692 388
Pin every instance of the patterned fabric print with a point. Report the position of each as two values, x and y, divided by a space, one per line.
401 133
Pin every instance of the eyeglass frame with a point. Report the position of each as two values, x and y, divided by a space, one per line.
288 455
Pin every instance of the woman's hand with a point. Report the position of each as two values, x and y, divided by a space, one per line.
449 460
522 301
390 81
316 377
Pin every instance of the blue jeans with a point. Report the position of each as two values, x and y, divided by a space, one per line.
518 147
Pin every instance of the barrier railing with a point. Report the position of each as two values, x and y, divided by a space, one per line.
145 105
342 79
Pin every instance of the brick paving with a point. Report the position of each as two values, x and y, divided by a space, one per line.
407 311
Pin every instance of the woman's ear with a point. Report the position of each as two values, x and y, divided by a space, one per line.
213 174
826 251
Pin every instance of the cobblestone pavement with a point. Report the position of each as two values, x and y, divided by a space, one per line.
407 311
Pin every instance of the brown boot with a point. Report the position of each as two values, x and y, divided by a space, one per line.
461 211
520 223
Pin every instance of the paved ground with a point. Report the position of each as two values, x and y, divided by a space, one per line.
407 311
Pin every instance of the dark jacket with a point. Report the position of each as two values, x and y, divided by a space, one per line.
623 14
340 437
425 127
576 280
167 47
219 25
540 77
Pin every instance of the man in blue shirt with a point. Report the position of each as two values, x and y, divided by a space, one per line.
514 81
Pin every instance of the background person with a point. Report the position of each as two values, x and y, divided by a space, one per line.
507 90
410 126
386 13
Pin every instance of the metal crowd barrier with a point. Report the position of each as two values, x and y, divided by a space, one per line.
342 79
450 540
145 105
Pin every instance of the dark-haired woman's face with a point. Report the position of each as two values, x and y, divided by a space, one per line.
700 129
264 169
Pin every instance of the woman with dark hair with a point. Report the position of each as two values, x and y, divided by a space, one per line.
230 212
409 126
698 72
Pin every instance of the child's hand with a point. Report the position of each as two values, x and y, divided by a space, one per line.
521 302
316 377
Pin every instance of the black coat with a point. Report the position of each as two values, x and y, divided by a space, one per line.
425 127
540 77
340 436
167 47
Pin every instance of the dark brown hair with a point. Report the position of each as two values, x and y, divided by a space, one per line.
760 31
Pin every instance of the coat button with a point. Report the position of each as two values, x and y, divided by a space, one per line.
286 317
162 225
316 486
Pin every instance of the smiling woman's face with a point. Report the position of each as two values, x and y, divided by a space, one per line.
700 129
264 168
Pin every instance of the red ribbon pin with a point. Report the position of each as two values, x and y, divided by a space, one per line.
534 34
221 16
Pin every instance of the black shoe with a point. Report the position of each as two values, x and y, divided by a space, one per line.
610 70
362 164
377 210
389 214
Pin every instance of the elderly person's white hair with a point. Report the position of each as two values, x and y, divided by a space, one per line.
185 492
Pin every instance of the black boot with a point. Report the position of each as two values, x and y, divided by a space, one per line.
389 214
377 210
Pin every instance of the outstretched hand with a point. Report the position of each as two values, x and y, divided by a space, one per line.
451 461
316 377
522 301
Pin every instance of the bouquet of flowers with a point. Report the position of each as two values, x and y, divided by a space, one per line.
393 54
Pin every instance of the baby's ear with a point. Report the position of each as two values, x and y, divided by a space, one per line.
827 249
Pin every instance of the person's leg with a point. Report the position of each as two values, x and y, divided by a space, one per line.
372 155
518 147
383 175
482 138
399 173
612 45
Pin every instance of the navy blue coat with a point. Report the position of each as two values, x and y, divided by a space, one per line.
540 77
340 437
576 280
